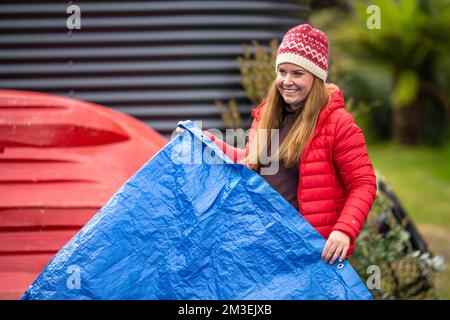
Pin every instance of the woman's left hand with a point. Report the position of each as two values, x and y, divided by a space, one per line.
337 245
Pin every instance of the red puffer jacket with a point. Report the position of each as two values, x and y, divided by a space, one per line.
337 184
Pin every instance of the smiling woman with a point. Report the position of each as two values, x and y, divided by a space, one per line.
324 170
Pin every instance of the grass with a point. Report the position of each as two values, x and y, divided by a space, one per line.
420 176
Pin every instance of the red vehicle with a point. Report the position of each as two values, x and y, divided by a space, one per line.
61 160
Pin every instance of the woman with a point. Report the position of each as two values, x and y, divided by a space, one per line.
324 168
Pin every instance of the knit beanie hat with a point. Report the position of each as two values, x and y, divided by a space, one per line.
306 47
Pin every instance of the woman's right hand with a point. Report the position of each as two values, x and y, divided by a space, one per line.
179 129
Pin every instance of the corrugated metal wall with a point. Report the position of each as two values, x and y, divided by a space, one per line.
160 61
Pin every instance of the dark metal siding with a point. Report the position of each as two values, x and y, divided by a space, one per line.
160 61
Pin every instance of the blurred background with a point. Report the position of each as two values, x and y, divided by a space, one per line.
165 61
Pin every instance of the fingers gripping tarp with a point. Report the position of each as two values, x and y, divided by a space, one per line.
190 224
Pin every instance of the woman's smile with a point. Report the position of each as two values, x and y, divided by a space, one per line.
290 91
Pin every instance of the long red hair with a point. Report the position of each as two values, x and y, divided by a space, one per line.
271 117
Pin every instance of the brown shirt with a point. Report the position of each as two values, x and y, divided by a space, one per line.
285 181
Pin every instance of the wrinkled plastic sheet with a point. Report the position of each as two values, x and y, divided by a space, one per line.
191 224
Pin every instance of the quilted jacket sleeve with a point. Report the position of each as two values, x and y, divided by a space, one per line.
236 154
355 168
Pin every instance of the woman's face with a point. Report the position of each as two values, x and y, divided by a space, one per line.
294 84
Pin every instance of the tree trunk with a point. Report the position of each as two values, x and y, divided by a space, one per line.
408 123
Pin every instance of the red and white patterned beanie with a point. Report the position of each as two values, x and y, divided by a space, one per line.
306 47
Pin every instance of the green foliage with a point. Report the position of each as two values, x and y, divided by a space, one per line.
405 274
405 38
230 114
406 90
411 46
257 67
258 70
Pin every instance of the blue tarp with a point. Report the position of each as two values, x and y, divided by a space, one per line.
190 224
